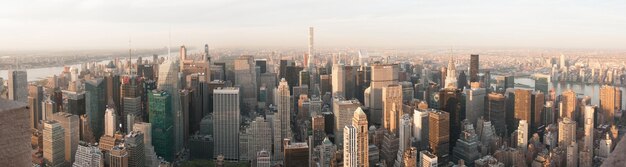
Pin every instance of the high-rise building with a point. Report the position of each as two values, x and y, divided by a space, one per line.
359 121
150 155
112 83
118 157
263 159
588 127
311 59
350 148
450 101
95 105
409 157
427 159
35 99
135 147
162 122
567 132
474 103
110 121
53 143
569 104
473 69
15 134
420 127
283 117
88 156
542 83
467 146
74 102
296 154
392 102
69 122
226 116
18 86
344 112
404 136
522 107
537 103
245 77
610 102
131 100
338 81
261 135
450 81
317 123
439 135
522 135
382 75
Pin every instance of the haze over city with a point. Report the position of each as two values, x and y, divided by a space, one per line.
105 24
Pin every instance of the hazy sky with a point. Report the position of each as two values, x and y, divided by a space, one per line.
108 24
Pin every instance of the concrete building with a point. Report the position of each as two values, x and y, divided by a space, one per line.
263 159
382 75
404 138
588 127
522 135
420 127
35 99
15 134
467 145
439 135
226 115
135 147
344 112
568 99
296 154
88 156
410 157
118 157
473 69
428 159
69 122
474 103
282 119
246 79
359 121
53 144
610 102
18 86
338 80
567 132
261 135
392 107
110 121
350 148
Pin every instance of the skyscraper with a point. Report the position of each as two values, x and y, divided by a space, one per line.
474 58
161 119
88 156
245 78
35 99
261 135
344 112
474 103
18 86
53 144
569 104
69 123
392 102
226 115
610 102
522 106
283 117
420 127
404 137
350 148
439 135
427 159
169 82
567 132
95 105
359 122
15 134
338 81
311 59
450 81
382 75
450 102
110 121
495 112
296 154
522 135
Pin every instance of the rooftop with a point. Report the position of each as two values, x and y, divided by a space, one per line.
7 105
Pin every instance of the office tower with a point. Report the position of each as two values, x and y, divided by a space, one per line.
350 148
319 134
474 103
409 157
610 102
344 112
588 127
569 104
48 107
382 75
450 81
474 58
131 100
327 150
562 61
537 101
88 156
522 135
567 131
183 118
110 121
338 81
118 157
404 136
420 127
35 99
296 154
359 121
407 91
112 83
542 83
150 155
160 117
263 159
311 62
283 117
15 134
135 147
350 73
450 102
389 146
69 123
53 143
571 155
245 77
261 135
325 84
604 149
522 107
509 82
18 86
439 135
461 81
95 105
74 102
305 78
428 159
226 115
467 146
392 102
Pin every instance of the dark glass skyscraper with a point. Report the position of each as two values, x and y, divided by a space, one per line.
473 71
162 120
95 103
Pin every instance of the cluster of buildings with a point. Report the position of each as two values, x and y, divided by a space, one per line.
320 109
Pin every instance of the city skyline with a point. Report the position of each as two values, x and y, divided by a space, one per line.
80 25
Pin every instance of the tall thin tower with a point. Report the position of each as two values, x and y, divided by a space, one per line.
311 51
